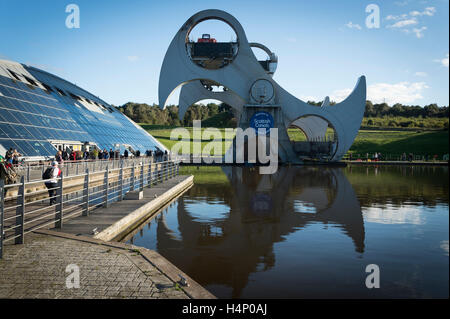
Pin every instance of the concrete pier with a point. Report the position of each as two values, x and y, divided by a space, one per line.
110 223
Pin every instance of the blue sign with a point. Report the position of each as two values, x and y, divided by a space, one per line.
261 120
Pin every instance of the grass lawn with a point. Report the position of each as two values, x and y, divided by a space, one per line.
420 142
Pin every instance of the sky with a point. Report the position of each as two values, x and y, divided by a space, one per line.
322 46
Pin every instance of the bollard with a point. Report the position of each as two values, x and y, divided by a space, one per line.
59 207
86 194
20 212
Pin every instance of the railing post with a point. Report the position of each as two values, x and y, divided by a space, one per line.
106 181
167 170
59 206
86 194
2 217
76 173
120 182
28 173
158 176
142 177
20 212
178 168
149 179
132 179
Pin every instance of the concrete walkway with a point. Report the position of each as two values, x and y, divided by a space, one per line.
108 269
37 269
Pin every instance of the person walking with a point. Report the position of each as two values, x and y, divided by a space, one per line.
50 178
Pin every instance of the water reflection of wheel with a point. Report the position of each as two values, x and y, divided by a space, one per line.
261 204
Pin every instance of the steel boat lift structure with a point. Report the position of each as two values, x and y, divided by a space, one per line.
249 89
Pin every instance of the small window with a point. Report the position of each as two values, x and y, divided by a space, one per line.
47 87
73 96
14 74
31 81
61 92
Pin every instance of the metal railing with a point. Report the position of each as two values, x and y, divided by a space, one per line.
395 157
36 170
24 206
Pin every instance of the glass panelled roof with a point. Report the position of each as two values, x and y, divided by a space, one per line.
39 110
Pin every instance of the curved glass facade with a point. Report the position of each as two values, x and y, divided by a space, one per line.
39 111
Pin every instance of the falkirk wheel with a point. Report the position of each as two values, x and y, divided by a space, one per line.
252 93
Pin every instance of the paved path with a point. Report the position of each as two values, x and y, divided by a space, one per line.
108 269
38 270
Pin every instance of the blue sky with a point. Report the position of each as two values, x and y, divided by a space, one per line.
323 46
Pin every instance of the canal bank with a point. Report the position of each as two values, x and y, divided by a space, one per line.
108 269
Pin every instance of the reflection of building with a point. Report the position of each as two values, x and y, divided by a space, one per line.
40 112
263 210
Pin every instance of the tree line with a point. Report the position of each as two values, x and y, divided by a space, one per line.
152 114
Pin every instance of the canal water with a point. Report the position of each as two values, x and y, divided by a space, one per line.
309 232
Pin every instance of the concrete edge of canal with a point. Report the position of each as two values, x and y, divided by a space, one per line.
125 225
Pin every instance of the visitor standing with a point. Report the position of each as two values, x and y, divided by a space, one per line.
50 177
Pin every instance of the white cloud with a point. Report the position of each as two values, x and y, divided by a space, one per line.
406 20
429 11
421 74
352 25
132 58
392 17
403 23
443 61
419 32
402 92
307 98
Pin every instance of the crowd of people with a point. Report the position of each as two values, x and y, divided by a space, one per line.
96 154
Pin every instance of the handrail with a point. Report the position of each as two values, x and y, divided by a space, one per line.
34 171
74 195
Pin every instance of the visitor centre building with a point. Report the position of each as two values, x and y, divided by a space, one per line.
41 113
